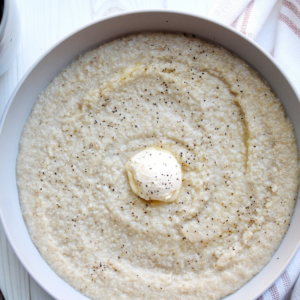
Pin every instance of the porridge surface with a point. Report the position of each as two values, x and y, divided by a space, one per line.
218 118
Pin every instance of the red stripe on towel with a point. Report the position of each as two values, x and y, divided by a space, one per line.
246 17
292 7
274 292
286 280
290 24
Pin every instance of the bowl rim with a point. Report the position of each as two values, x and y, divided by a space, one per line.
89 24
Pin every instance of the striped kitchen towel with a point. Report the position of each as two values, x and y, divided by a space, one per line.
296 290
275 25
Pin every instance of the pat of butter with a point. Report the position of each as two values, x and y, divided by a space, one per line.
154 174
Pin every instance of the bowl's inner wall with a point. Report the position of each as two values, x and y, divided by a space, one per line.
62 55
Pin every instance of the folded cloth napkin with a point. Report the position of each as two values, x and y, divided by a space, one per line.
275 25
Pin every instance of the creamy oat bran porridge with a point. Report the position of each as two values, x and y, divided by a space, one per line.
214 114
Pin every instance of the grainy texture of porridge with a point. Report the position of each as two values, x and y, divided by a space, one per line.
218 118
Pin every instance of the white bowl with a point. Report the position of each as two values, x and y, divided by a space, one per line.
65 52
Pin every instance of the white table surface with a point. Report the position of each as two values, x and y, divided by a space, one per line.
44 22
